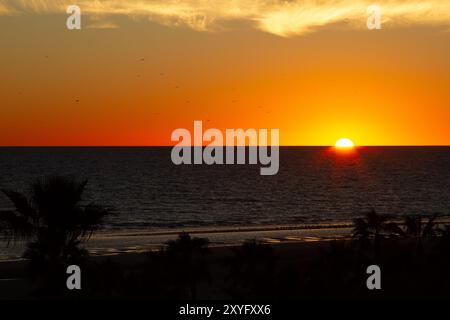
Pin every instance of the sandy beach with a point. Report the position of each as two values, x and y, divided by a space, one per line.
111 243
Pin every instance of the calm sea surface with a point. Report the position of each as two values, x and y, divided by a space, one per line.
314 185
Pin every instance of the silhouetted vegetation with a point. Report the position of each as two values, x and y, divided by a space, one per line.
54 224
184 266
413 254
251 271
174 272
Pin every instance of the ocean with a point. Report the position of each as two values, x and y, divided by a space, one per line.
314 185
147 193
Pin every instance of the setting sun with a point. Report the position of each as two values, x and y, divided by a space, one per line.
344 143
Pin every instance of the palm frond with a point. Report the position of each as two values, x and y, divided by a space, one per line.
21 203
15 227
91 219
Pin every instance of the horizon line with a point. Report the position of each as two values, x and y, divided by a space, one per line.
171 146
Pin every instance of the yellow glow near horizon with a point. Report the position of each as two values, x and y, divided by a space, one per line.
344 143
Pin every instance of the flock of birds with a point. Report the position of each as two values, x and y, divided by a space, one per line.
234 101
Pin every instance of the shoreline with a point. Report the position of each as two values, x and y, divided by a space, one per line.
107 243
240 229
226 229
114 243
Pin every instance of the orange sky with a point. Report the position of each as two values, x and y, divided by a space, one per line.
315 82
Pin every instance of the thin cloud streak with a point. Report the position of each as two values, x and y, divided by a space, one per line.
280 17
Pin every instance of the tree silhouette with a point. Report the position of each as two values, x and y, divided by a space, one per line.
52 221
416 228
251 270
179 267
374 227
371 226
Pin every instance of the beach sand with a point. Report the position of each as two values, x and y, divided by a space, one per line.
116 242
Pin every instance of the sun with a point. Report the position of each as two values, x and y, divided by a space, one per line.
344 143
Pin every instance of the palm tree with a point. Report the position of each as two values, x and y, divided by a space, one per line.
182 265
52 221
371 226
251 270
417 229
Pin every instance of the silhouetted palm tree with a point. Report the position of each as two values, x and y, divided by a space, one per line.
182 265
416 228
52 221
251 270
371 226
187 245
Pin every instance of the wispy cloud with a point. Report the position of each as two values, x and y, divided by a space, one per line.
280 17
